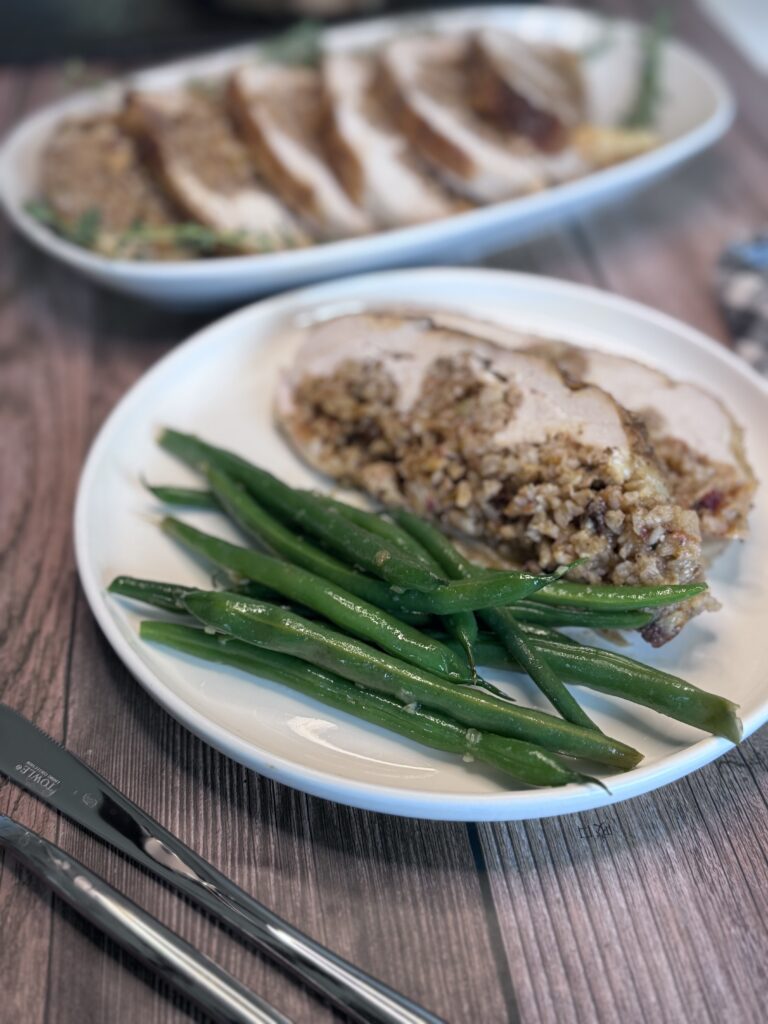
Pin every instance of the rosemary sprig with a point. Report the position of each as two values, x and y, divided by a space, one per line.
197 238
84 231
78 74
300 44
603 41
642 110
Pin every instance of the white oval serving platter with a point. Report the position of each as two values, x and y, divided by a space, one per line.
220 384
695 110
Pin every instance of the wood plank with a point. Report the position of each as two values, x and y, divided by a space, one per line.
640 910
43 380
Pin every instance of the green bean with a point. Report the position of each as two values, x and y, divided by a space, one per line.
500 620
278 630
620 676
487 637
534 612
190 497
476 593
457 596
461 625
271 534
309 514
168 596
339 606
525 762
536 663
615 598
371 521
591 596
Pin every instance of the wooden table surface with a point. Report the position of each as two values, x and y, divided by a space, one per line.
652 910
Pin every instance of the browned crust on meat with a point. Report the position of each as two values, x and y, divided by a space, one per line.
492 97
145 127
428 142
341 157
92 165
293 192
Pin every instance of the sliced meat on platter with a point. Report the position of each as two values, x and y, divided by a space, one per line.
191 144
99 190
367 152
429 84
278 109
534 91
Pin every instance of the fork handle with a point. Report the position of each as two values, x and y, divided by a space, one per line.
217 993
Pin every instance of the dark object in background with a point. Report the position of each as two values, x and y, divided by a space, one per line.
301 8
149 30
742 286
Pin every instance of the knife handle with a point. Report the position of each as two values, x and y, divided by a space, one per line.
364 998
169 956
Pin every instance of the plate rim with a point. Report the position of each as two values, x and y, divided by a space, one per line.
633 172
512 805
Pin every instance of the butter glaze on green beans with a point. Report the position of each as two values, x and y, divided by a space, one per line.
538 613
338 605
620 676
525 762
500 620
616 598
274 628
189 497
461 625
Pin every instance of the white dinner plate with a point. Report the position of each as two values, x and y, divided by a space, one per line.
221 383
696 107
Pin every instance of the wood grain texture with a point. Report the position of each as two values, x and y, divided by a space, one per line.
653 910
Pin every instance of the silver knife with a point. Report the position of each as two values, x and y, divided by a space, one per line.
40 765
222 997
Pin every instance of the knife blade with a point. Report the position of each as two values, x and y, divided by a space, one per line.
222 997
36 762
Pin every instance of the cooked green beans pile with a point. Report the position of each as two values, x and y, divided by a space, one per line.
377 615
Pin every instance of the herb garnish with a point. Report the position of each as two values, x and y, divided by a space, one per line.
197 239
299 44
642 111
84 231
